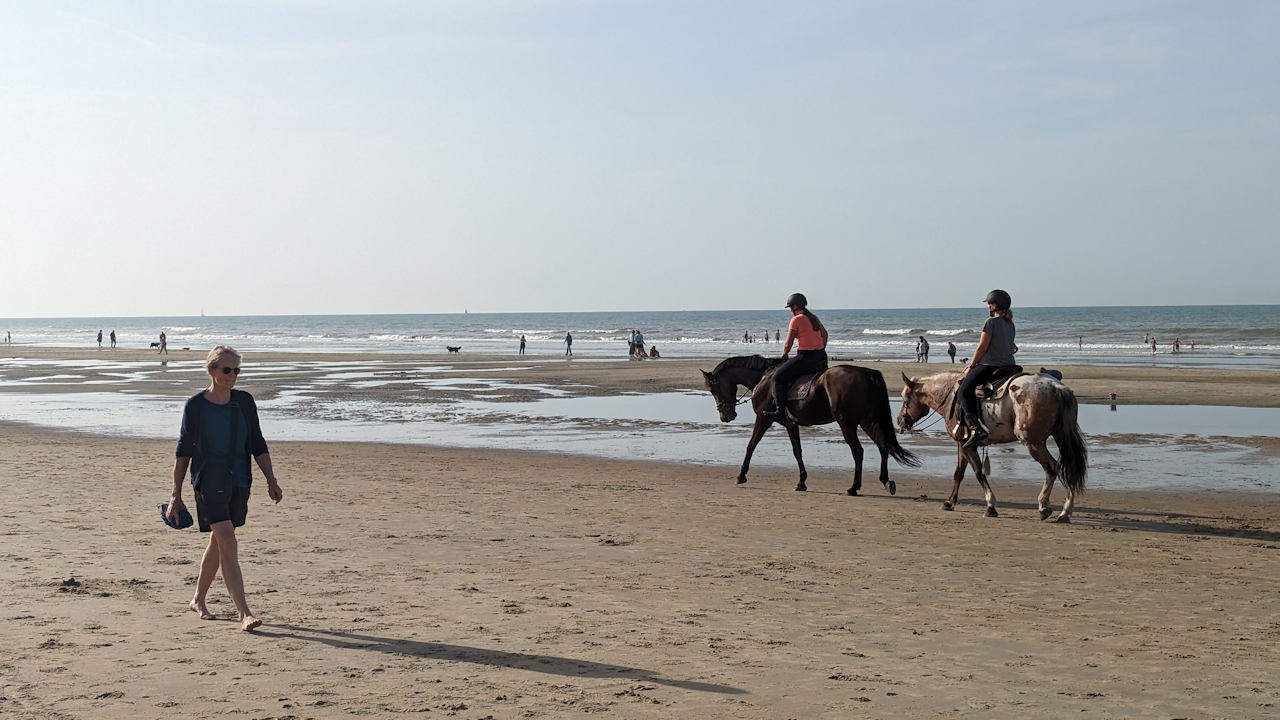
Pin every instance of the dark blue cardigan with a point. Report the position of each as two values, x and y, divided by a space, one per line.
190 440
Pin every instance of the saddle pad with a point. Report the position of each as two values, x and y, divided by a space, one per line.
801 386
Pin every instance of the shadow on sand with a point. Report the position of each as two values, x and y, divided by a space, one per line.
570 667
1155 521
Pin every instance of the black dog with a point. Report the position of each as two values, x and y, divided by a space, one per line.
155 346
453 348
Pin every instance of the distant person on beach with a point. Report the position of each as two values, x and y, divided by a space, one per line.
1080 342
777 337
99 339
521 344
923 350
1176 346
995 350
746 337
810 337
653 351
631 342
218 435
1153 346
951 350
164 344
568 343
113 339
638 340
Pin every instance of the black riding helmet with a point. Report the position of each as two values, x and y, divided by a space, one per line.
1000 299
797 300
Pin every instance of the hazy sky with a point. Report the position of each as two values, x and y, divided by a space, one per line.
355 156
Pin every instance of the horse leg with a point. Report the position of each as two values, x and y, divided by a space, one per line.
1040 452
1070 502
793 432
957 476
851 438
757 432
971 454
890 485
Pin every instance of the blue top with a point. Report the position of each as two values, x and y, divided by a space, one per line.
205 435
1000 350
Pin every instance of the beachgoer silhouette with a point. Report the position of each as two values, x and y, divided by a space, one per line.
521 344
568 343
113 339
99 339
951 350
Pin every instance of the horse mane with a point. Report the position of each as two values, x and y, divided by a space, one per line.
750 362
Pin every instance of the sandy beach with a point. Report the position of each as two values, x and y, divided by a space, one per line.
397 580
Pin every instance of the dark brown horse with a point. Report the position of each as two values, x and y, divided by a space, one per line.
851 396
1032 410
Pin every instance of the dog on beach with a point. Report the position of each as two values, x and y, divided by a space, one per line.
453 348
155 346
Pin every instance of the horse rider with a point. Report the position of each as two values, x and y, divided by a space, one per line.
806 331
995 350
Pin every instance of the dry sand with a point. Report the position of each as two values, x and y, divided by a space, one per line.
396 580
436 582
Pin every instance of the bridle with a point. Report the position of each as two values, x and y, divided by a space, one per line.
720 404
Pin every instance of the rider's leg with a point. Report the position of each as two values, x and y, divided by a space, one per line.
969 404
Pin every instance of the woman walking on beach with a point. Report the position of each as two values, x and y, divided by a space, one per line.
807 332
219 433
995 350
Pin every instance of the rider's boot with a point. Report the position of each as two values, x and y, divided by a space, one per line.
977 433
778 414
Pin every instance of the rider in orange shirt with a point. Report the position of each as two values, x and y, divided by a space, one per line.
810 337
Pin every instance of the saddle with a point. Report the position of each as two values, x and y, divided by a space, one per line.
801 386
998 383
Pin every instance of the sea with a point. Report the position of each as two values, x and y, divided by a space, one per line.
1232 336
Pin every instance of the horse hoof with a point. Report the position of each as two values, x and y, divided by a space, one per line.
991 512
742 479
947 506
801 488
1063 519
852 492
1045 513
893 488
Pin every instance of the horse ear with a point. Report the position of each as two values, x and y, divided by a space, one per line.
908 381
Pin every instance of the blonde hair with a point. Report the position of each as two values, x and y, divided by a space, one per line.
215 355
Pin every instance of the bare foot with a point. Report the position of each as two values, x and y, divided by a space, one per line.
249 622
198 607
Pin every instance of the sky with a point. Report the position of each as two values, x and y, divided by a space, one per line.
398 156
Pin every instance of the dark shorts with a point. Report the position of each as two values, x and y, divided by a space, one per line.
230 505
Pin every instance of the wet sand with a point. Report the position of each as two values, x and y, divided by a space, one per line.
472 583
396 580
604 376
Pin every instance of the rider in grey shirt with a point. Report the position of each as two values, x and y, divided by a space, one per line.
995 350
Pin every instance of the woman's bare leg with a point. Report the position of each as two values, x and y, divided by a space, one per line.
208 571
229 553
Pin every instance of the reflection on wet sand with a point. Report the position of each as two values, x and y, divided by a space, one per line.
494 407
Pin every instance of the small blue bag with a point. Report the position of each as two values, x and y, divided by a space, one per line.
184 517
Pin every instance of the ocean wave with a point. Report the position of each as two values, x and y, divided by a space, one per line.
949 333
899 331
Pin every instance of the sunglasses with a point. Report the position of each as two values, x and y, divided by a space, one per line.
229 370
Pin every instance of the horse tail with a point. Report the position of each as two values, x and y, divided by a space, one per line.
882 426
1074 462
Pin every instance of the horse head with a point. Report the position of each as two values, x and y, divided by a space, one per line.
725 396
913 404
